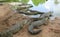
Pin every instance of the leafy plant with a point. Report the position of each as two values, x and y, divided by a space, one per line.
36 2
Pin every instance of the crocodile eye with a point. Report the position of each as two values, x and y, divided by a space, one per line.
50 15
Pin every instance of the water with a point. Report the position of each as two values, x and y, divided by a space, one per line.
46 7
40 7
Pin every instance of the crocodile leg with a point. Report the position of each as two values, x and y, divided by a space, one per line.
18 26
31 30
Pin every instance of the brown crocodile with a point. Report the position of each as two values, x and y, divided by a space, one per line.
5 15
13 29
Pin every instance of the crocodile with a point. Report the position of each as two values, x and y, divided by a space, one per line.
13 29
43 15
22 7
36 24
49 14
30 12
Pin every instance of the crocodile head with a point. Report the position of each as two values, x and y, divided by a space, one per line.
49 14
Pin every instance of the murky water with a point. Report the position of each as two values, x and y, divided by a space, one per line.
46 7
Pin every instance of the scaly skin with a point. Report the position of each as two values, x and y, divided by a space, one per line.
24 6
46 15
13 29
36 24
29 12
6 34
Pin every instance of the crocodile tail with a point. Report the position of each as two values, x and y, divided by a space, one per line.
35 32
1 34
6 34
32 31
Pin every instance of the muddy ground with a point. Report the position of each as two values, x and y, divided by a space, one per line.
52 29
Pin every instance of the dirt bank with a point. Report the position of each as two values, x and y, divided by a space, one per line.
52 29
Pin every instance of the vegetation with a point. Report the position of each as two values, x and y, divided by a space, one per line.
36 2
